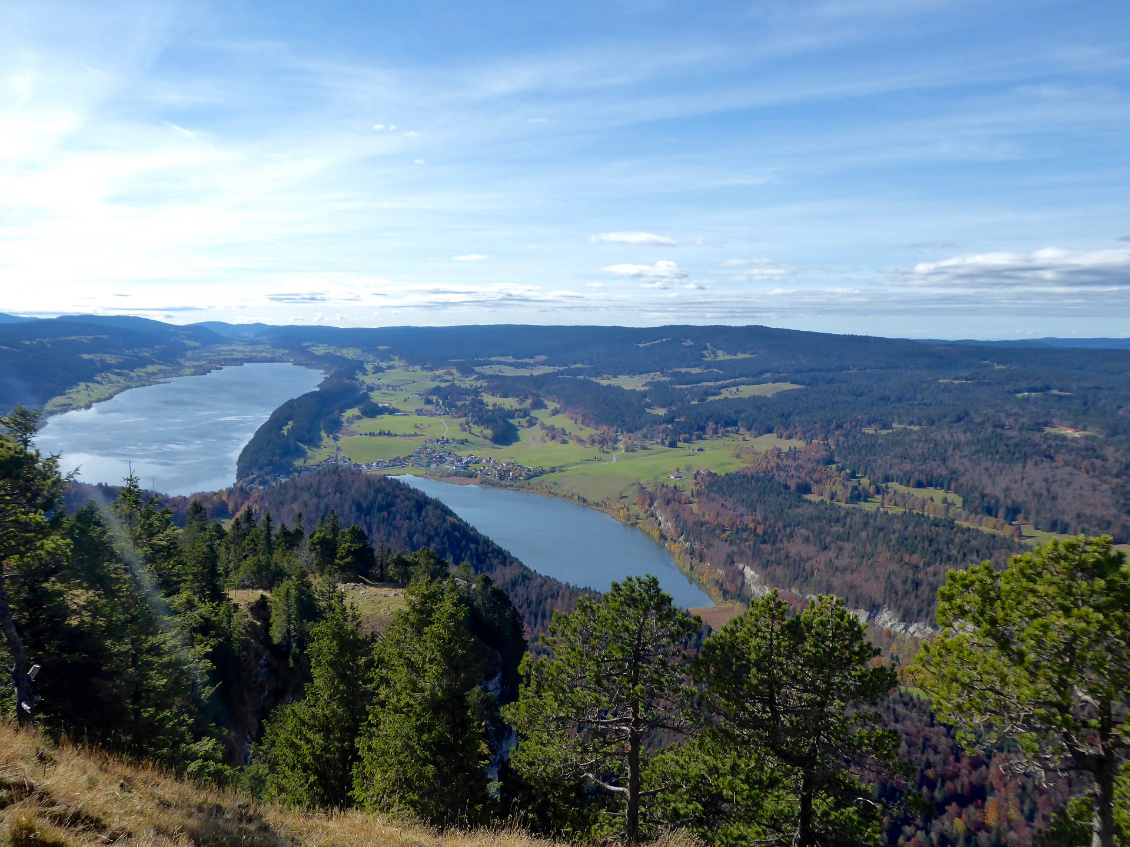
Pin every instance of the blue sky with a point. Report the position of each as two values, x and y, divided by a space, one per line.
917 168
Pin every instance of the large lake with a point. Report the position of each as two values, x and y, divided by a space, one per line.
183 435
563 540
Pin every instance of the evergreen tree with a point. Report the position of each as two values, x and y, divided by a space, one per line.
309 748
201 543
294 608
323 543
354 554
613 686
1037 655
30 494
424 753
800 690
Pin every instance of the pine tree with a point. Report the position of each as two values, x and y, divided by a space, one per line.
309 748
797 695
323 543
294 608
354 554
30 493
424 752
1037 655
614 683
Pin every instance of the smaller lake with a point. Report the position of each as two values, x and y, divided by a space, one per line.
563 540
183 435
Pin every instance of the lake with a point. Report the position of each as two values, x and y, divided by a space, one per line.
562 539
183 435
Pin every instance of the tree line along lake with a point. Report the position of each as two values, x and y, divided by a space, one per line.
184 435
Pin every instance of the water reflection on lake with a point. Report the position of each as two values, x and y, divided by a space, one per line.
563 540
182 436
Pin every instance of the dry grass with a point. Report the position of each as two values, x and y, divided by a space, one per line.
377 604
67 795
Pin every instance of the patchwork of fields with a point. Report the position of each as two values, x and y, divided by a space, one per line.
554 443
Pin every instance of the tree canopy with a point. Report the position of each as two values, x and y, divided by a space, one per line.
613 685
796 694
1037 655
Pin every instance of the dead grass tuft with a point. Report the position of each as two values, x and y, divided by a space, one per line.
67 795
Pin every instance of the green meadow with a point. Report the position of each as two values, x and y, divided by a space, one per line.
592 472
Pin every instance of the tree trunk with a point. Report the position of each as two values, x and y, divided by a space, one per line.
632 824
804 836
20 679
1102 826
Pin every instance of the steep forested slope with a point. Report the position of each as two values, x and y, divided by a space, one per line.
397 516
871 559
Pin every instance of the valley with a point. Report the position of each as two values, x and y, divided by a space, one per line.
763 466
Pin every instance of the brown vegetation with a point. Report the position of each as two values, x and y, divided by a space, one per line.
67 795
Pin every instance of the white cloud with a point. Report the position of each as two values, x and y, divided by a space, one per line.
646 238
661 270
756 270
1047 269
378 127
470 257
418 161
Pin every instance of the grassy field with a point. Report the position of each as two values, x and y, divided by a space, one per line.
935 494
632 383
377 604
399 385
600 478
363 449
574 468
766 390
516 370
406 425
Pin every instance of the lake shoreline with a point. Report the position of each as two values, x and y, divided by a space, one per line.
720 602
577 547
87 394
178 435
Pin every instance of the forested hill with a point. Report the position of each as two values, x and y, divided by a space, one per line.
392 514
397 516
44 358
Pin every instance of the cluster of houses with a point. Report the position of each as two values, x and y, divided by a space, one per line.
434 457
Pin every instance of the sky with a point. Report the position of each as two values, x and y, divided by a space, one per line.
909 168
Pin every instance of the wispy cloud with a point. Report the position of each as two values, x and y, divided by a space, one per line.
1046 269
756 270
647 238
258 176
932 245
661 270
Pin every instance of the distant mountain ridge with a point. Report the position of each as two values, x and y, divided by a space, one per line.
43 358
1066 343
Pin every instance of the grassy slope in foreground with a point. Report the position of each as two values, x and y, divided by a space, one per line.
67 795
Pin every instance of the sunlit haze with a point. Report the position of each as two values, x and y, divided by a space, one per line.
916 168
